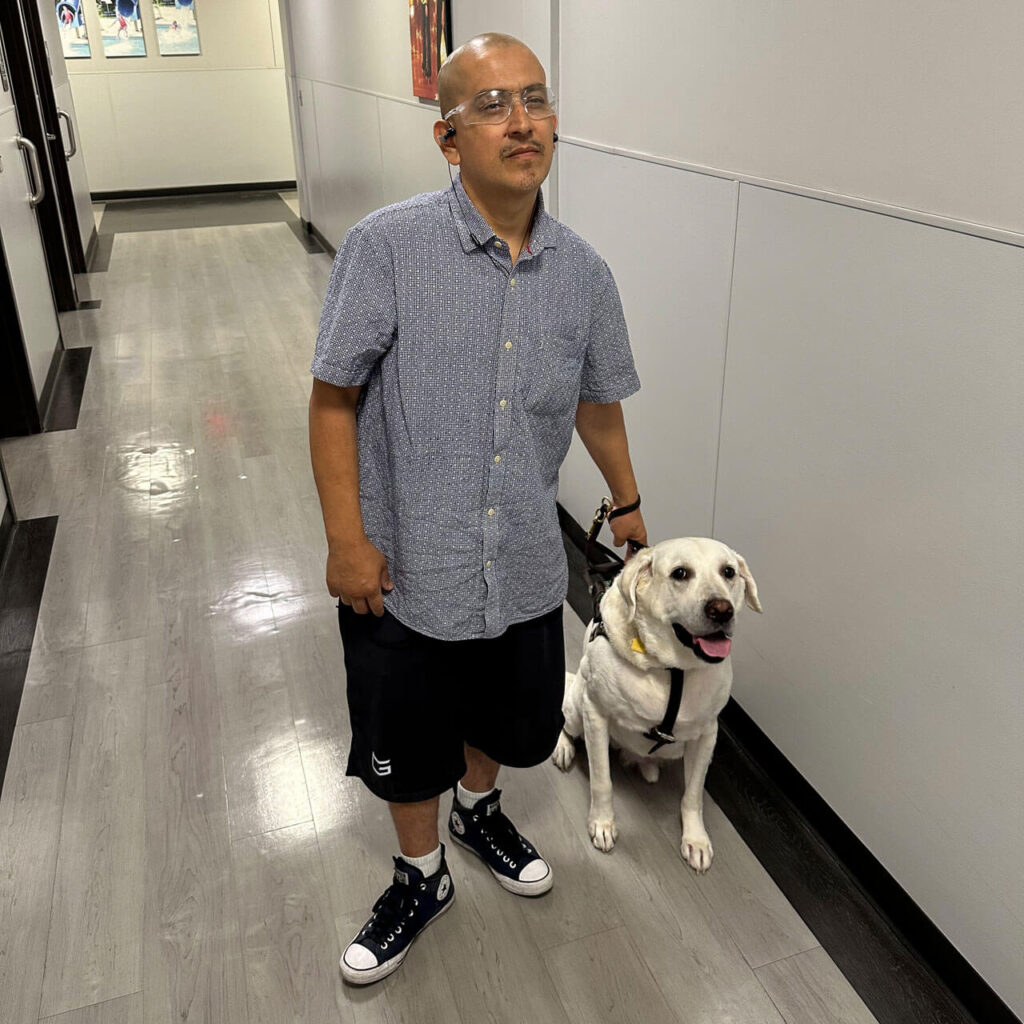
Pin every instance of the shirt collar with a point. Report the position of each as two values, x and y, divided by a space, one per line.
474 231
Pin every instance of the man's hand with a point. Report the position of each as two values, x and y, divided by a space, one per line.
357 574
628 527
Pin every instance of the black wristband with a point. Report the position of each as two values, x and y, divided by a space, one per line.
625 510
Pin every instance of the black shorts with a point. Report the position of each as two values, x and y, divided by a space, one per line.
414 701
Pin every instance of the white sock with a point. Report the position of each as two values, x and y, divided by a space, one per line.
428 863
468 798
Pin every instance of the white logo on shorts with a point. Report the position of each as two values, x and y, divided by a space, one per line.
379 766
458 824
443 887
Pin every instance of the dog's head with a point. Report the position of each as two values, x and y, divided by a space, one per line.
686 592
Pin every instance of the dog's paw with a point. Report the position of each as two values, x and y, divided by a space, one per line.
697 851
564 753
603 833
650 770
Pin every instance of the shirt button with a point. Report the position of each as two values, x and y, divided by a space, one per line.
497 244
488 564
503 403
490 511
512 282
497 458
508 344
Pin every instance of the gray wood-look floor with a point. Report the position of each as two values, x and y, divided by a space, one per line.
178 839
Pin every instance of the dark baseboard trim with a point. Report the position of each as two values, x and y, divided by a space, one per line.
900 964
46 395
193 190
311 229
68 388
90 249
100 260
22 578
6 529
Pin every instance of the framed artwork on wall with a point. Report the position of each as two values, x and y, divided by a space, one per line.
177 33
430 33
73 36
121 28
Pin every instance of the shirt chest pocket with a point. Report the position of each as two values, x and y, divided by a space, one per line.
552 371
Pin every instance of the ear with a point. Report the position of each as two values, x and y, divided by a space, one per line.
447 146
637 568
751 586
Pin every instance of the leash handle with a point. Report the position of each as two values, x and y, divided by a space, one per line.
623 509
599 574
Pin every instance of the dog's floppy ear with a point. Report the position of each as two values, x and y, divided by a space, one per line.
637 568
748 579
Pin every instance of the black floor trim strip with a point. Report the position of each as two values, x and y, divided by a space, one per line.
309 241
22 577
320 237
68 388
6 529
90 304
100 262
902 967
193 190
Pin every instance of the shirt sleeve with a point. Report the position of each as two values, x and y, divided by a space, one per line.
609 374
359 318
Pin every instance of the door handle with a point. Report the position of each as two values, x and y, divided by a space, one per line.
71 133
38 185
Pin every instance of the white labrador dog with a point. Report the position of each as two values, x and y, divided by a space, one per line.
673 606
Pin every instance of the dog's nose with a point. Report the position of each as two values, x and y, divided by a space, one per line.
718 610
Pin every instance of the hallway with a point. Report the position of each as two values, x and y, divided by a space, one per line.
178 839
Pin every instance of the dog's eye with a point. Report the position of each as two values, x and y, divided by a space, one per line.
680 574
728 572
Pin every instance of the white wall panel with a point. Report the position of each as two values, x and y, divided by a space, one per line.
872 470
667 237
528 20
358 43
411 161
98 129
348 132
914 104
243 136
217 118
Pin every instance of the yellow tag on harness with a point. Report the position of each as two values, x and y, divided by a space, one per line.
638 645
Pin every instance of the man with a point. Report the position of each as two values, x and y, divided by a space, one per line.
464 333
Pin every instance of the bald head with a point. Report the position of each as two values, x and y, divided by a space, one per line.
451 78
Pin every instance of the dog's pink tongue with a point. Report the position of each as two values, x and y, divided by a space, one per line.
714 648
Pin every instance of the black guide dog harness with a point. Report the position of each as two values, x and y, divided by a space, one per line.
599 576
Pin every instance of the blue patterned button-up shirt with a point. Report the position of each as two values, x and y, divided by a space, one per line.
472 371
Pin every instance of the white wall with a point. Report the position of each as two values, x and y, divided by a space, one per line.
915 104
833 391
162 122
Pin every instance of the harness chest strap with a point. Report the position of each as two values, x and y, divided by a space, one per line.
660 735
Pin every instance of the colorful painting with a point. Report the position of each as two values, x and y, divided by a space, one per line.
177 34
74 39
121 28
430 32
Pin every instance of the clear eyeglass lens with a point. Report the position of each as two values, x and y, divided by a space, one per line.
496 106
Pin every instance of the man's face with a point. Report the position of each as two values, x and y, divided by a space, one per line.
516 154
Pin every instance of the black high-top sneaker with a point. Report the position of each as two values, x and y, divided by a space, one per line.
404 909
485 831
